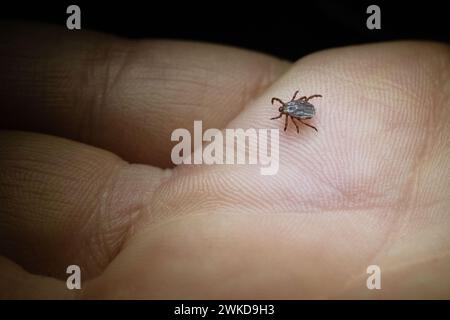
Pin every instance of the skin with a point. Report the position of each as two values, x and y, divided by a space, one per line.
86 177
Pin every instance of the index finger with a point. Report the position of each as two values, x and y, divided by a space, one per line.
122 95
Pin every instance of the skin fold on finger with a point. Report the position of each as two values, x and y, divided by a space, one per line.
16 283
64 203
126 96
371 187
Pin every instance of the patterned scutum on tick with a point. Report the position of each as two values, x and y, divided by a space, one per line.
299 109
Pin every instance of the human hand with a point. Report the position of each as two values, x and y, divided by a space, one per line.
98 190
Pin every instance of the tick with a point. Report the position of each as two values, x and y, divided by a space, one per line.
299 109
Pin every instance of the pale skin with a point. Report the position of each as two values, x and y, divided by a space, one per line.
86 177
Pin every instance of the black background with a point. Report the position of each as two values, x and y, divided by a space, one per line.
288 29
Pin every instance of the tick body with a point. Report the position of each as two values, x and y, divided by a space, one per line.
297 109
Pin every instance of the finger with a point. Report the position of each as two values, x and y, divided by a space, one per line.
65 203
381 105
124 96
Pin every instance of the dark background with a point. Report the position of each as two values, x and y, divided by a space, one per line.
288 29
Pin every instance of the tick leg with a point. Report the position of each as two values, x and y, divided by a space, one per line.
295 94
308 125
276 99
277 117
286 123
302 98
313 96
296 125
